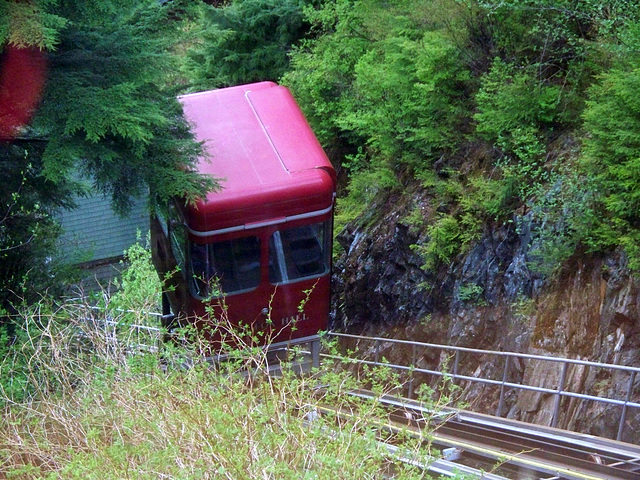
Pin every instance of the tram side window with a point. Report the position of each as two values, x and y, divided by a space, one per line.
225 267
299 252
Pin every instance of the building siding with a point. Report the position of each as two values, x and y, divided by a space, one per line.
93 232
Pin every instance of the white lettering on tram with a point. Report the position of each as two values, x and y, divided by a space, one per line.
300 317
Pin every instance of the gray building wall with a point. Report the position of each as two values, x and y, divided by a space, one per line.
96 238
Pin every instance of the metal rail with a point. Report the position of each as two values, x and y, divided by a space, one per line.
559 391
442 466
517 446
449 467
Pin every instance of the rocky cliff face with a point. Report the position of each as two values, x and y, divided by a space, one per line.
489 298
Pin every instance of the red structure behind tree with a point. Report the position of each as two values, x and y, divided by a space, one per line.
22 79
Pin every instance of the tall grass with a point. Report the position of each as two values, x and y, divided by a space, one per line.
83 397
94 404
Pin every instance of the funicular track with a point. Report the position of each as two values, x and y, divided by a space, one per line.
546 450
514 449
523 450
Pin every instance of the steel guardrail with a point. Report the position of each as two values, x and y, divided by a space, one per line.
559 392
513 444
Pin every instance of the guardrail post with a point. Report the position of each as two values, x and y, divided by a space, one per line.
505 373
556 409
456 358
315 353
413 364
623 416
376 355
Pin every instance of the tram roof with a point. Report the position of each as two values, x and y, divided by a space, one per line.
260 145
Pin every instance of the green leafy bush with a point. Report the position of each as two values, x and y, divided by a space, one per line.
407 96
363 189
445 239
470 293
139 288
513 98
612 158
322 68
515 113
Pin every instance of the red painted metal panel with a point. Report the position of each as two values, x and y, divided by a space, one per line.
261 146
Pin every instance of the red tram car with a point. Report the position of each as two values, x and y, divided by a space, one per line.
260 248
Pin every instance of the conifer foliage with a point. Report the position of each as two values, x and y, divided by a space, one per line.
246 41
504 113
108 112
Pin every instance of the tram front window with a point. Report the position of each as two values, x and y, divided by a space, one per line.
224 268
299 252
